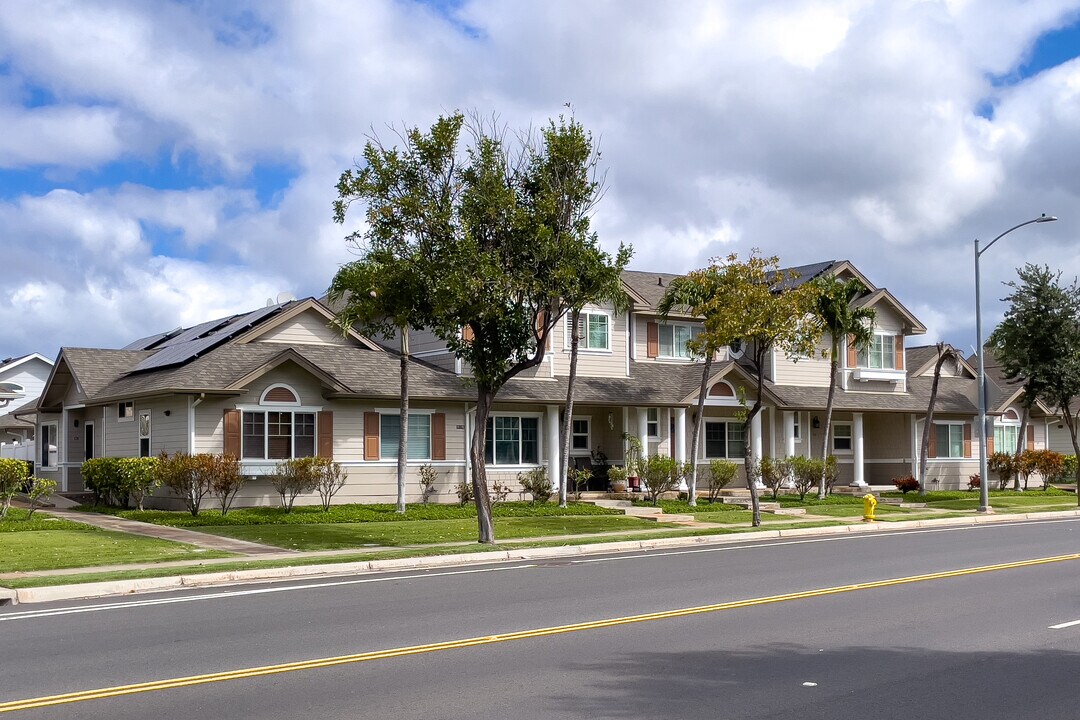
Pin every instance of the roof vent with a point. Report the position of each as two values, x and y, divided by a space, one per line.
660 281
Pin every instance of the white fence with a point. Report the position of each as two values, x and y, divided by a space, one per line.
18 451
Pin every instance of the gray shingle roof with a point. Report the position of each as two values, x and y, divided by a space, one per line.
653 285
95 368
955 395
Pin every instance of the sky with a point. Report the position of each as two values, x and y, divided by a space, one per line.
163 163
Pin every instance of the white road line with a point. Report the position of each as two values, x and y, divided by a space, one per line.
1059 626
32 614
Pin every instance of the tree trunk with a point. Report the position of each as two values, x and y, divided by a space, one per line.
833 365
1021 446
1070 422
748 441
695 433
484 401
568 411
928 425
403 441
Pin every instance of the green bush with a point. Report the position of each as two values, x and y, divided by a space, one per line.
188 476
537 483
13 477
38 492
225 480
428 479
293 477
329 478
464 492
138 477
806 473
102 477
661 473
721 473
775 473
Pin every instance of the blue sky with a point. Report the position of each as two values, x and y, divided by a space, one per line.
166 162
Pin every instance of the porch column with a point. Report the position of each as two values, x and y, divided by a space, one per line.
755 452
857 448
625 431
680 443
643 430
62 449
789 433
551 417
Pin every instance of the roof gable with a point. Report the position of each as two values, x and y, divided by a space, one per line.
306 323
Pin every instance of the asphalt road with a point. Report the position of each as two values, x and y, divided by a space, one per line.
956 646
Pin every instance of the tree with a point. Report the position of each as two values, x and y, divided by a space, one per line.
492 259
765 309
945 352
410 195
1039 341
839 319
692 293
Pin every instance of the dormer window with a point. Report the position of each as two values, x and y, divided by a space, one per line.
593 331
674 337
880 354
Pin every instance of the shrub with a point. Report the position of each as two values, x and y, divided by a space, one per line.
775 473
906 484
291 478
1048 464
499 492
38 491
1026 463
13 476
1068 470
187 476
617 476
537 483
1004 465
138 477
832 473
103 478
579 478
661 473
329 478
464 492
806 473
225 480
974 482
721 473
428 478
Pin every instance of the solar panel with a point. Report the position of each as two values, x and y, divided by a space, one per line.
197 331
177 354
145 343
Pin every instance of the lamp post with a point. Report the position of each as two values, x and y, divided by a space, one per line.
984 480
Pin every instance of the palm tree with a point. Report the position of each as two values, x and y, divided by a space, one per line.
840 319
693 292
945 352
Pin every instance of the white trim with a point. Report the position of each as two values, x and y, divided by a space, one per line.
89 424
584 315
26 359
660 343
149 437
290 388
48 445
850 424
885 374
540 461
727 438
431 353
293 411
397 413
125 418
587 450
648 411
961 424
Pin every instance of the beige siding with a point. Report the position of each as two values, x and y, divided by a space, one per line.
887 436
809 371
641 346
1059 438
592 363
308 328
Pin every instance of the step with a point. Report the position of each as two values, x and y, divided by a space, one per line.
642 511
787 511
747 505
609 503
673 518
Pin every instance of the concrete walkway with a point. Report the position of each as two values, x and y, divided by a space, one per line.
191 537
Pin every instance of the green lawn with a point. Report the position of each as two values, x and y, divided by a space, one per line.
353 513
335 536
87 547
853 510
1022 500
738 516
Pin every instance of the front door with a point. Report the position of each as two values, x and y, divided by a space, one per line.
88 441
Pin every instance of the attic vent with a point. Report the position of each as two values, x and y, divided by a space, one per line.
660 281
280 394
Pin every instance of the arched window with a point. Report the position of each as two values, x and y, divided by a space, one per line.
1006 431
722 389
279 395
278 433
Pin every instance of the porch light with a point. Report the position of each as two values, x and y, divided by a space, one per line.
815 423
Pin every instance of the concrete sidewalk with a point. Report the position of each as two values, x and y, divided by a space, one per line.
162 532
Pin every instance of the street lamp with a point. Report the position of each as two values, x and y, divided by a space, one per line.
984 480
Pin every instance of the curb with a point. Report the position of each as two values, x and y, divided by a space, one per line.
125 587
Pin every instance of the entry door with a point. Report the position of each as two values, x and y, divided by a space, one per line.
88 441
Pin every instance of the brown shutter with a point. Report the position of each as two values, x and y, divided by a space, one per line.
1031 437
231 444
989 445
541 321
325 433
438 436
899 345
467 334
931 450
852 354
652 340
967 440
371 436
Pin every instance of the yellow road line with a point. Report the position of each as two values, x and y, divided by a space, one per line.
169 684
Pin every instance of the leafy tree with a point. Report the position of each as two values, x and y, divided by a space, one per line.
13 477
945 353
767 310
840 319
489 254
1039 340
692 293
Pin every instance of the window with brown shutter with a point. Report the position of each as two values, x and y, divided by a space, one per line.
231 444
438 436
652 340
990 445
1031 437
852 352
371 436
325 434
967 440
931 450
467 334
899 340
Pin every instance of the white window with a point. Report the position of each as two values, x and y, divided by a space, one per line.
48 454
652 422
841 437
593 330
579 437
1005 438
144 433
796 430
278 435
724 439
949 438
673 338
125 411
881 354
419 441
512 440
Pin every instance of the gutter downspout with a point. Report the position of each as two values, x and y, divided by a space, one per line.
191 421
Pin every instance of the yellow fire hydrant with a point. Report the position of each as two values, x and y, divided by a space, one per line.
869 503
